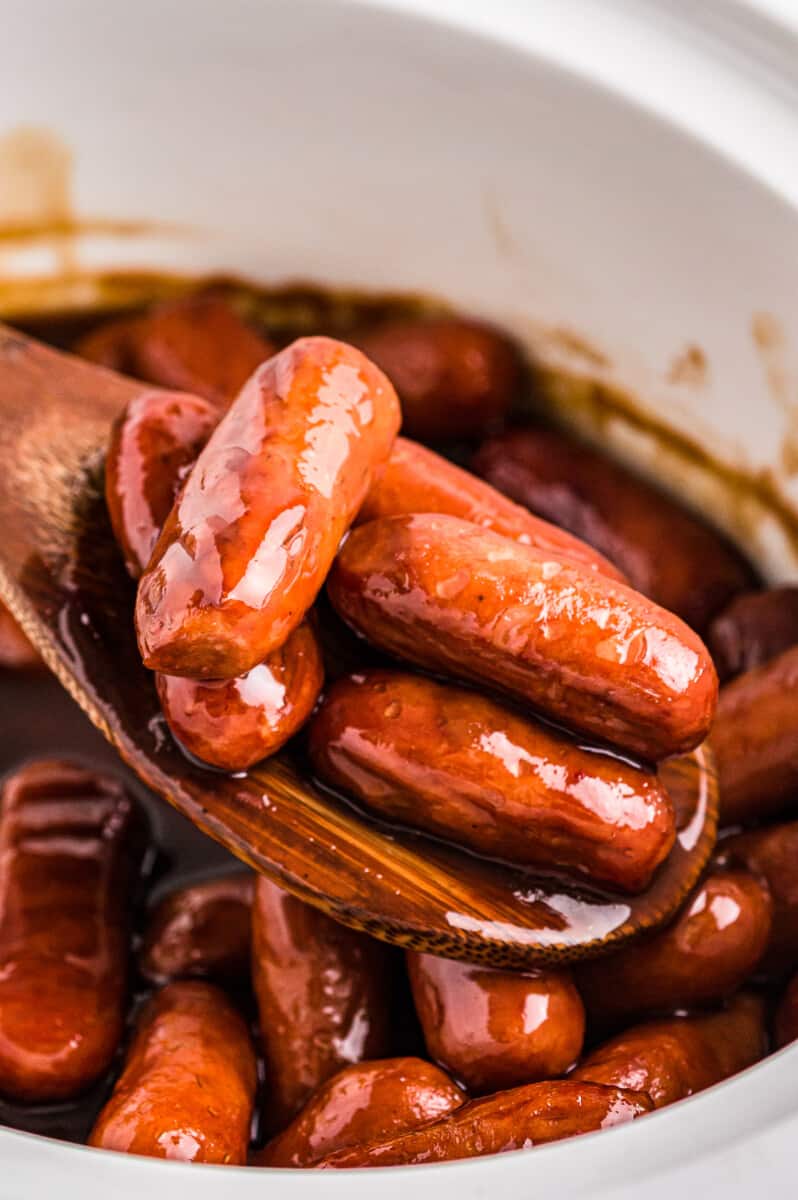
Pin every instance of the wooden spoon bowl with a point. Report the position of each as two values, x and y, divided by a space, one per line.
62 577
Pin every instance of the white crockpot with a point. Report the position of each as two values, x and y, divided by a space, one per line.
614 180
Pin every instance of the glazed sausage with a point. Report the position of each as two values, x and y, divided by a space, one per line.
154 443
363 1103
786 1026
711 947
753 629
583 649
755 741
188 1085
462 766
255 528
496 1029
108 345
772 855
16 652
515 1120
665 551
323 997
233 723
71 842
455 378
417 480
201 930
674 1058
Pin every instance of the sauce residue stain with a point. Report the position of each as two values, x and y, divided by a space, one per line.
35 178
689 367
578 347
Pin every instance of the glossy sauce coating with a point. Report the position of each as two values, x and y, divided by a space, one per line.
70 845
496 1029
364 1102
16 652
772 855
188 1085
323 997
711 947
786 1025
233 723
201 930
514 1120
252 535
753 629
455 378
674 1058
755 741
417 480
462 766
589 652
665 551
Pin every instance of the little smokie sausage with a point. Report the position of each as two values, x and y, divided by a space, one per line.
674 1058
711 947
514 1120
323 995
665 551
16 652
71 842
754 628
585 650
772 855
233 723
256 526
417 480
786 1025
201 930
755 741
455 378
495 1029
188 1085
465 767
362 1103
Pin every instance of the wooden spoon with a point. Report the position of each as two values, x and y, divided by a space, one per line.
62 577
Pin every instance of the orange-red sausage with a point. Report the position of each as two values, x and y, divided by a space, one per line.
417 480
496 1029
16 652
755 741
255 528
70 844
786 1026
585 650
665 551
462 766
752 629
674 1058
772 855
323 997
201 930
188 1085
233 723
711 947
364 1102
514 1120
456 378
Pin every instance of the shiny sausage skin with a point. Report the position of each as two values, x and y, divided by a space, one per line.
772 855
201 930
496 1029
71 842
753 629
674 1058
16 652
363 1103
417 480
233 723
786 1026
188 1085
585 650
515 1120
755 741
462 766
153 446
256 526
665 551
323 994
455 378
711 947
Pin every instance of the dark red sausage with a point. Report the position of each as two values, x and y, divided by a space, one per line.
786 1027
772 855
201 930
457 764
587 651
752 629
70 845
251 538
